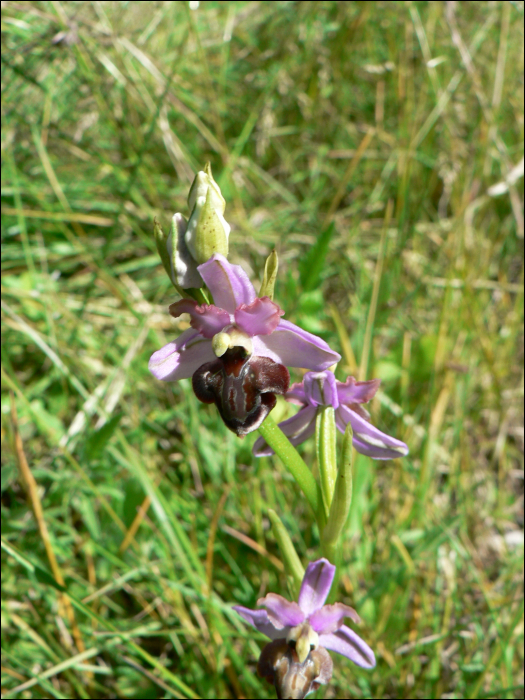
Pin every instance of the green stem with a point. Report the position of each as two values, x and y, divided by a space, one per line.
295 464
200 296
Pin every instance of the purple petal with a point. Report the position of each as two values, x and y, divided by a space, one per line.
298 428
346 642
261 317
207 319
330 617
228 283
293 347
179 359
259 619
296 393
320 389
357 392
369 440
360 410
281 612
316 585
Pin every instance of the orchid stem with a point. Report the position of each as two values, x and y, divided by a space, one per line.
295 464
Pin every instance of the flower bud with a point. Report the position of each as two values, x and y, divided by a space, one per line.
207 231
325 431
175 256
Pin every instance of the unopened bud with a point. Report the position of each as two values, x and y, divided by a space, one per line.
199 189
207 232
175 256
191 243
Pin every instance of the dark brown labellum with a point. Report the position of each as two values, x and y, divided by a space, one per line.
243 388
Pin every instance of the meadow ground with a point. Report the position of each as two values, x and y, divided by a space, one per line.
402 124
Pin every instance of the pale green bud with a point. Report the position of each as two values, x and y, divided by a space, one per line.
207 232
325 432
161 241
175 256
199 189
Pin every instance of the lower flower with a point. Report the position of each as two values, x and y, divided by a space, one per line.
297 660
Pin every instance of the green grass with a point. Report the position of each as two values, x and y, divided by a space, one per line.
311 113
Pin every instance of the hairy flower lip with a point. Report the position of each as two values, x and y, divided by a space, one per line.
243 387
320 389
279 617
235 302
280 665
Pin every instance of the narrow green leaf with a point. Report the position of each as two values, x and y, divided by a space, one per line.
291 561
313 263
97 441
45 577
270 275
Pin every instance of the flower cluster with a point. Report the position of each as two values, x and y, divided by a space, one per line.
237 352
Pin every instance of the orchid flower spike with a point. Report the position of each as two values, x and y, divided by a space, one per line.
234 345
320 389
297 660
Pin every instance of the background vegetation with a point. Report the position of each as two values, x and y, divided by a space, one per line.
393 120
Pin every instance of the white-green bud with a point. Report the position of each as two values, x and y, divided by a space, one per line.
175 256
207 231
